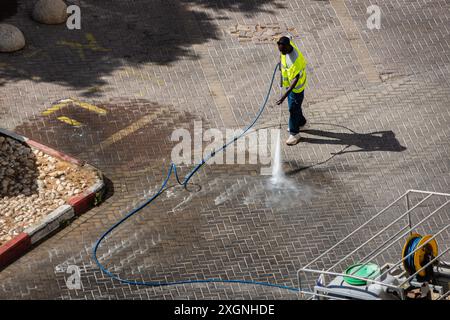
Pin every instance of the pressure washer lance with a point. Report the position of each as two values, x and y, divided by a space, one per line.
281 94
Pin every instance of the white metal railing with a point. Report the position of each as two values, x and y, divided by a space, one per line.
387 244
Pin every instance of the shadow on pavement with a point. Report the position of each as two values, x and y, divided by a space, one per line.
8 8
18 169
366 142
109 187
113 34
249 7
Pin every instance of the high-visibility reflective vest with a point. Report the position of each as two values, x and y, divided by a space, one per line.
298 66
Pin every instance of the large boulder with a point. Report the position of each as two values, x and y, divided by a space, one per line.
50 11
11 38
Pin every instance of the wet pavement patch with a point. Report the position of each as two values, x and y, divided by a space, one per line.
121 134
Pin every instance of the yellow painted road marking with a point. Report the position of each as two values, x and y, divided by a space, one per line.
41 53
114 138
119 135
89 107
55 107
66 102
92 45
358 45
70 121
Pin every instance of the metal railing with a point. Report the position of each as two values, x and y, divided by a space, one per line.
387 244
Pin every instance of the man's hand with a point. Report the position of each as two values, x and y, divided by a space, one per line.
281 100
291 87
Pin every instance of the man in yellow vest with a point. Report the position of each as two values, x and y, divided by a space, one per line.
293 77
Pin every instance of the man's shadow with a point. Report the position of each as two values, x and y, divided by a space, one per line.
366 142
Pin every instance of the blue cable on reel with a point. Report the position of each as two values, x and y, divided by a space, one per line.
411 247
184 183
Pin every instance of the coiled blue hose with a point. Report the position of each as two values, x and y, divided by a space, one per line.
410 260
188 177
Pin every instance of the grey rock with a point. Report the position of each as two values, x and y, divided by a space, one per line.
50 11
11 39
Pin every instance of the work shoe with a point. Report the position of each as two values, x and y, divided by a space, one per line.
293 139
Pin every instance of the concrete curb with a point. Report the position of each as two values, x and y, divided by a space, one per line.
79 204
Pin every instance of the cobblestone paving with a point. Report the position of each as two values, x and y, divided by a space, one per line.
377 102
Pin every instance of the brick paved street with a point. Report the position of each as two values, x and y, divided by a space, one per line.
377 101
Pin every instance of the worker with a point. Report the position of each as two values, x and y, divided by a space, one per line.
293 77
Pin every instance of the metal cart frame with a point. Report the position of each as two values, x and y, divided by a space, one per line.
405 279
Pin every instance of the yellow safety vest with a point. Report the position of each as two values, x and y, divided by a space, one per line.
298 66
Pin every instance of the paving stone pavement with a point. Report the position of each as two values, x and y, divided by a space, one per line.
377 102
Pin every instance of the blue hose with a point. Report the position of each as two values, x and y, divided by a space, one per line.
188 177
411 247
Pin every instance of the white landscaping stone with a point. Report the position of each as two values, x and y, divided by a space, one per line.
11 38
28 193
50 11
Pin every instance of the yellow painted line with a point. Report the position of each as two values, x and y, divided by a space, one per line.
90 107
39 52
217 91
119 135
92 45
358 45
70 121
54 108
64 103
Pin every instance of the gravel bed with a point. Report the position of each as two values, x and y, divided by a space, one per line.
33 184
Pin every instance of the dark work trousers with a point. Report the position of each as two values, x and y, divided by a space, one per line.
296 118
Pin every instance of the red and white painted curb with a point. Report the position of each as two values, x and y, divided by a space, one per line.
79 204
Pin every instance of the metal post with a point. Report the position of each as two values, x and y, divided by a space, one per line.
409 214
281 94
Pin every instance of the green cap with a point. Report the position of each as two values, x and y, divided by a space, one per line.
368 270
